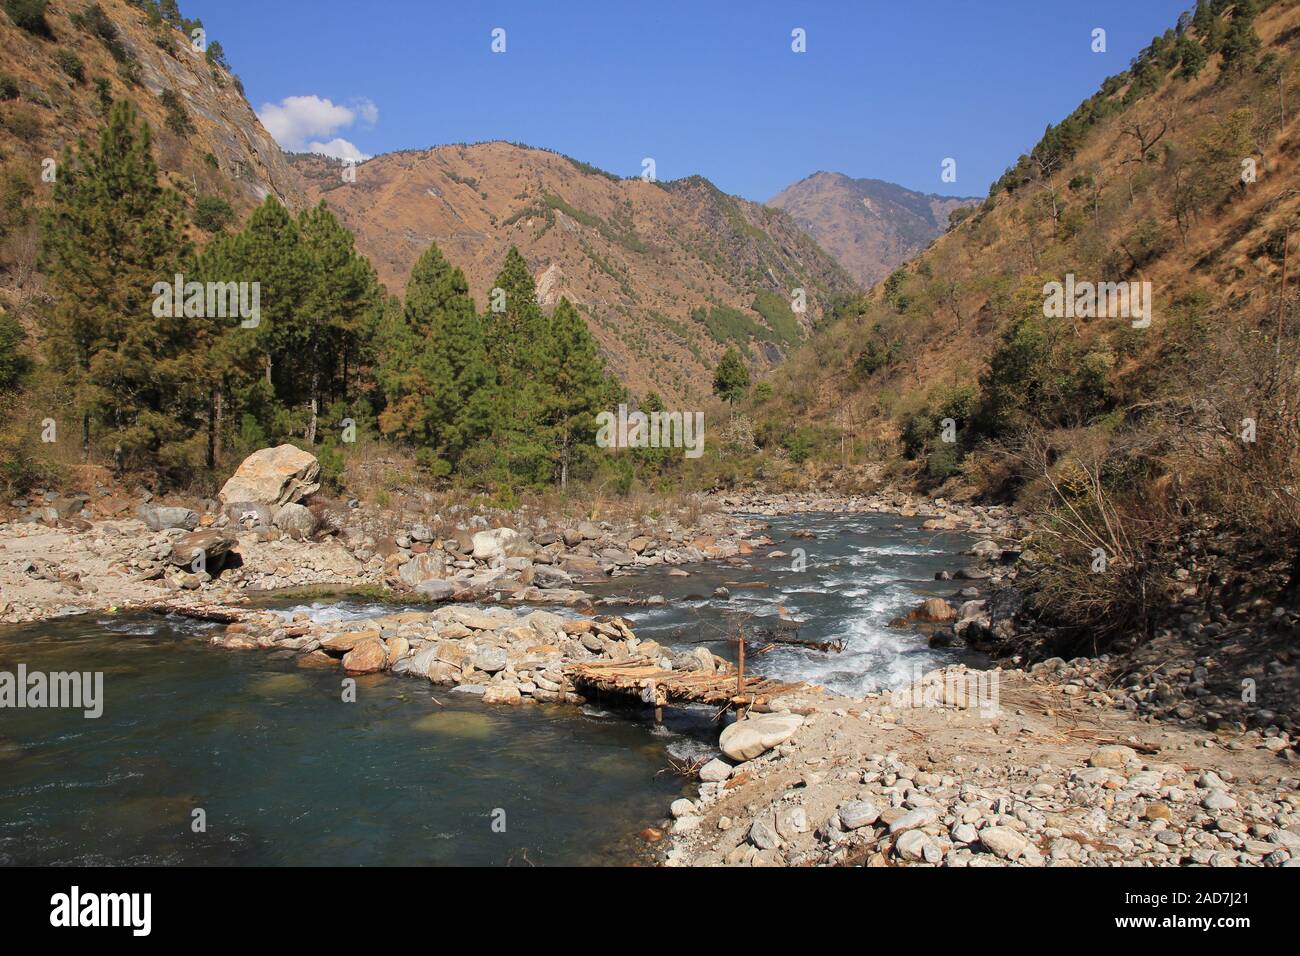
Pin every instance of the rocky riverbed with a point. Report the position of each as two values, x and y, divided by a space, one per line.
1051 776
1141 759
269 530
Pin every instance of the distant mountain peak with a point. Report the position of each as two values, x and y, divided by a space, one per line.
869 225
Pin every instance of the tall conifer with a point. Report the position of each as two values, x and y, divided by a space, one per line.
110 235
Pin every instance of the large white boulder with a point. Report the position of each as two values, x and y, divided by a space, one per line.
489 545
273 476
757 734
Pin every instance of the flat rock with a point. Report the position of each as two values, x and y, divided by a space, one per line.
159 518
715 770
1003 842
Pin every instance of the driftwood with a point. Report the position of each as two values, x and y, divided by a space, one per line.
642 679
760 636
222 614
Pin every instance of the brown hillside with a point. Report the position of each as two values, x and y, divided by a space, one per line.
1179 218
868 225
636 257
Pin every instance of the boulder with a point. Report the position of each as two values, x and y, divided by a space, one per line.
491 660
545 576
858 813
160 518
436 590
1113 757
273 476
757 734
502 694
367 657
715 771
932 610
209 546
1003 842
421 568
489 545
295 519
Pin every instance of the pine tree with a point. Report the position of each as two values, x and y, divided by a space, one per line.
111 233
575 388
12 363
263 370
731 379
1240 43
341 308
438 382
514 321
655 458
516 331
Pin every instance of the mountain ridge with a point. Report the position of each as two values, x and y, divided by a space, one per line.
871 226
668 275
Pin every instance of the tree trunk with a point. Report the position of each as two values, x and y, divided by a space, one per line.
219 416
212 430
85 437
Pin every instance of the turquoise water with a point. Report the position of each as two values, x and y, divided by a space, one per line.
287 773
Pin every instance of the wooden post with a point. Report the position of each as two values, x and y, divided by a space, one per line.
740 670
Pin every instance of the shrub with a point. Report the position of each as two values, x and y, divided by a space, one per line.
8 86
212 213
28 15
178 121
70 64
23 123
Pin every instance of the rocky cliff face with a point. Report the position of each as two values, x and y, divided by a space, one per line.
870 226
213 144
667 275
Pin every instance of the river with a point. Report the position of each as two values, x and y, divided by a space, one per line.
279 770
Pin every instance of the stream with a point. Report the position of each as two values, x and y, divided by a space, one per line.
278 771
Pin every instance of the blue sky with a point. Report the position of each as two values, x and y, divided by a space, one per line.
885 90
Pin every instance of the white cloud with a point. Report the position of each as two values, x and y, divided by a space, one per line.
338 148
302 123
366 110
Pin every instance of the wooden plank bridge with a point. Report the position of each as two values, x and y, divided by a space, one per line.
643 679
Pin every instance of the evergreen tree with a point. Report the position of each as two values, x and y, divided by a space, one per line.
731 379
111 233
12 363
1240 43
435 374
655 458
514 321
263 369
516 332
1192 57
576 388
341 308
